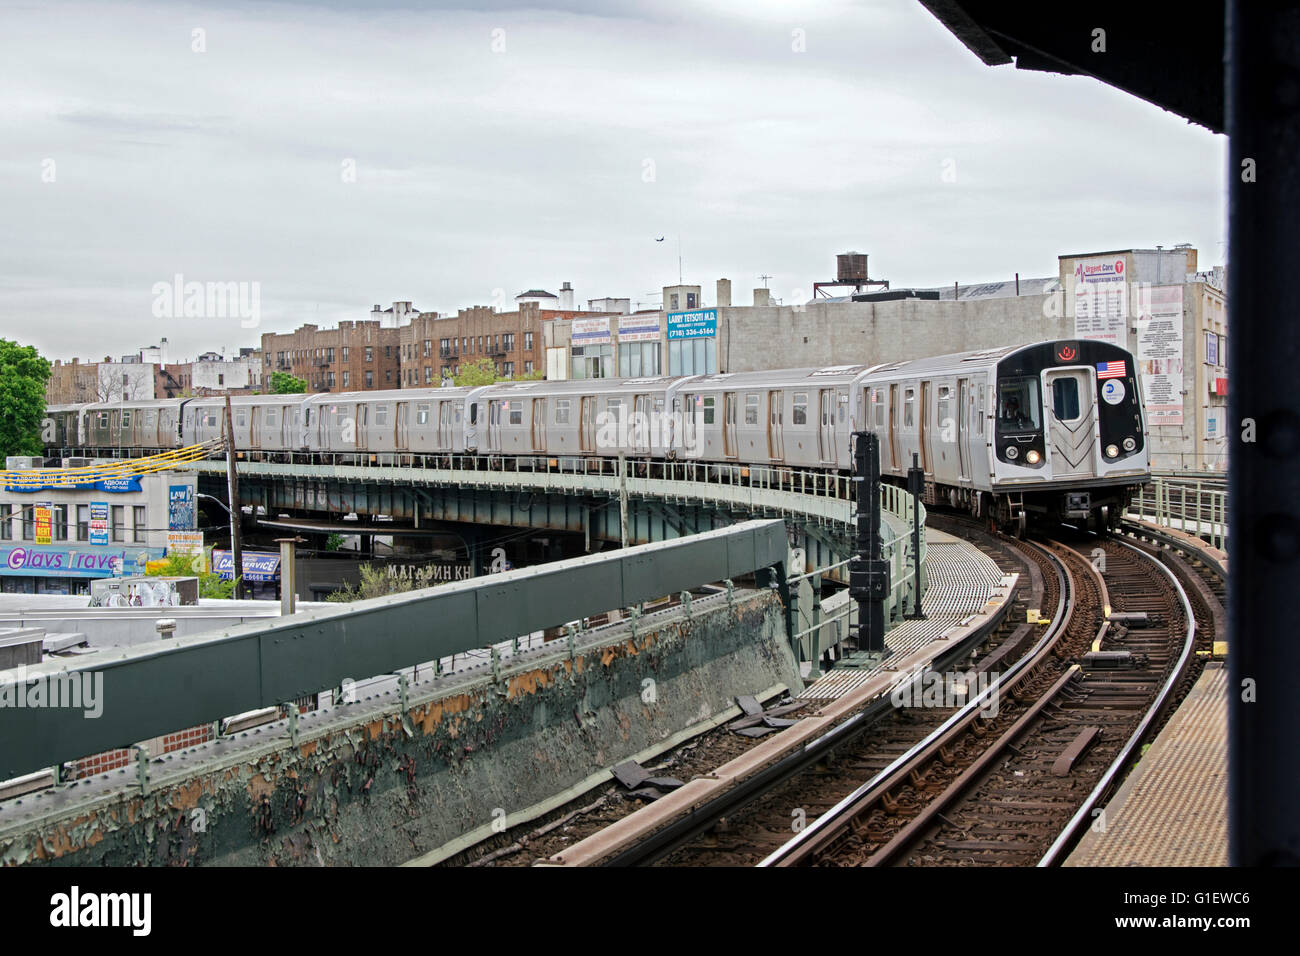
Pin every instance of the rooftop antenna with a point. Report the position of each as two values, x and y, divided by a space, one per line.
765 278
679 258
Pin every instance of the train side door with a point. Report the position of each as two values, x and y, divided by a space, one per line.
965 407
361 426
775 419
400 439
255 427
444 426
893 411
923 431
587 424
826 430
495 409
539 424
729 424
641 425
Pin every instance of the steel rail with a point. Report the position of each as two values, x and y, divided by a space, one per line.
829 825
1072 829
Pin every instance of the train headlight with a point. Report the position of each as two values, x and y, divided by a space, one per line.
1013 453
1130 443
1032 457
1112 451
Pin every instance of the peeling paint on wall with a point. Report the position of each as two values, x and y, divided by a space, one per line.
375 788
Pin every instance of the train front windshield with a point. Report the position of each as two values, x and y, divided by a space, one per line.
1019 405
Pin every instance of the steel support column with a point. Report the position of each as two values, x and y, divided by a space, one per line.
1263 105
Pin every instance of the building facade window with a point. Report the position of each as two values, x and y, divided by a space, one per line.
345 378
370 379
370 353
692 357
59 519
508 342
119 522
140 525
345 353
638 358
6 522
508 369
528 341
428 347
528 367
593 361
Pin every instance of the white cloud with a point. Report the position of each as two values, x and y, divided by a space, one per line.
478 170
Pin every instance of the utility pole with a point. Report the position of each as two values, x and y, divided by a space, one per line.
232 489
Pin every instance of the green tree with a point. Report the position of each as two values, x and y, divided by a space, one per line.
282 383
182 564
23 377
380 582
481 371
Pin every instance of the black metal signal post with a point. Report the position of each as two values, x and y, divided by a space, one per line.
868 571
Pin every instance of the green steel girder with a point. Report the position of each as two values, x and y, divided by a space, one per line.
154 688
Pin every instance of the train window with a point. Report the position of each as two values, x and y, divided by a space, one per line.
799 410
456 409
269 415
1018 405
148 417
979 412
562 411
708 409
241 419
473 414
381 414
1065 399
421 414
909 404
126 418
751 409
516 413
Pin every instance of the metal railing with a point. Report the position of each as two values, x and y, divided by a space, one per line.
1196 506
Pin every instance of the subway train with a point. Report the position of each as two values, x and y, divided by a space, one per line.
1053 429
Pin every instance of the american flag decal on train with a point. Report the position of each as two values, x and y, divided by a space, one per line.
1110 370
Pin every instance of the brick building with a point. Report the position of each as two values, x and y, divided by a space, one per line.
435 347
354 357
72 383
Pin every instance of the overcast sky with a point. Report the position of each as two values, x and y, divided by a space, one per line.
513 146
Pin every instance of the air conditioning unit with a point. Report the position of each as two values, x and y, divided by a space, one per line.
23 462
142 591
78 462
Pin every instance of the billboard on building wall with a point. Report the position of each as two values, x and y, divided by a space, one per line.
44 523
180 508
589 331
1101 299
99 522
639 328
700 324
1160 354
